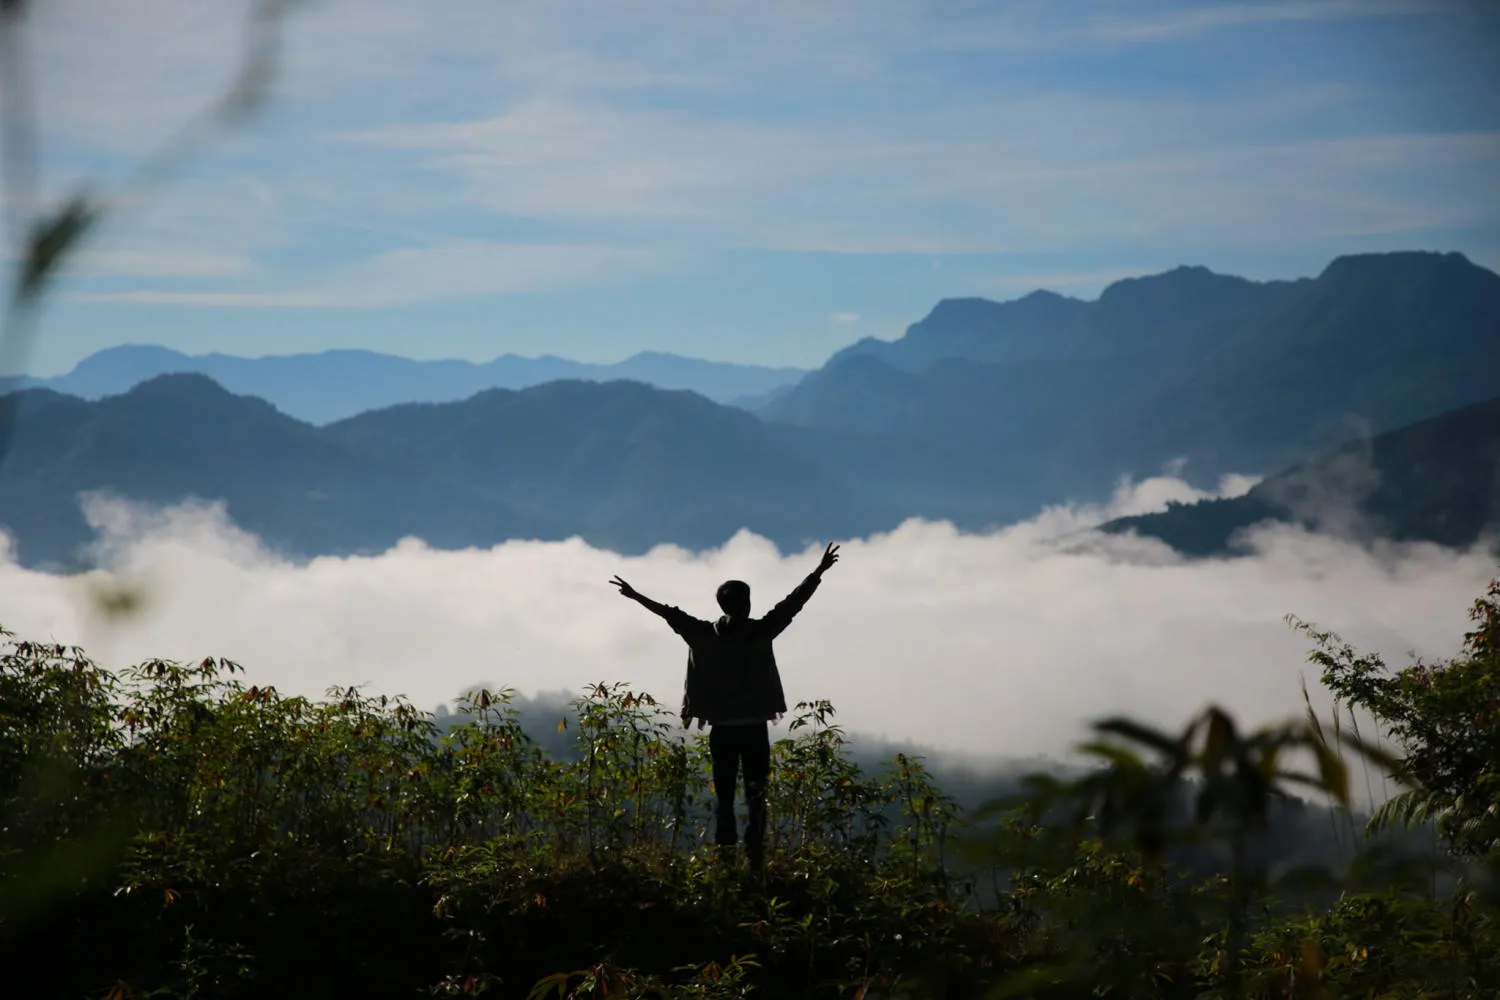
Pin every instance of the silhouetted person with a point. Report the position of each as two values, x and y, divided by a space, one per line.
734 686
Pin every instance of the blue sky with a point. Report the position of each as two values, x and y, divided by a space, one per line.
759 182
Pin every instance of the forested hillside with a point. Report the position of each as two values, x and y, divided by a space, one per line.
1436 481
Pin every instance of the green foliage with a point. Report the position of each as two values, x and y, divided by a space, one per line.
1446 719
214 839
1378 944
1108 911
256 843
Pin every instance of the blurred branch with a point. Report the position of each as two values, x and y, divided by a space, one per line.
42 240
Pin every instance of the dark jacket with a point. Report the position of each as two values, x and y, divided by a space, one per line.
731 671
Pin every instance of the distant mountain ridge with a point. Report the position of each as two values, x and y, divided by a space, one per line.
331 385
1130 316
1231 375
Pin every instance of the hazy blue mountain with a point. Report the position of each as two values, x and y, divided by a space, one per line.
980 444
756 400
1025 413
621 464
1233 375
1375 343
332 385
180 436
1181 309
1438 480
624 464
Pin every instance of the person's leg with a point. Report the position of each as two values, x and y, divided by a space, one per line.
725 751
756 753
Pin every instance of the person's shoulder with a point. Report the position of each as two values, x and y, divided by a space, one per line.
681 620
759 626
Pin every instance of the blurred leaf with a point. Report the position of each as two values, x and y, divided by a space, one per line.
1219 741
1141 733
50 875
1028 981
50 241
1332 772
115 599
1119 756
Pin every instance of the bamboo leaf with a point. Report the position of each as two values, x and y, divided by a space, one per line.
1141 733
1333 773
1219 742
1115 754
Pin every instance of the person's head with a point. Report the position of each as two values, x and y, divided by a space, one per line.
734 598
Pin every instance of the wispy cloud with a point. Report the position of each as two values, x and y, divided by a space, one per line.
712 185
140 262
1087 29
419 274
853 128
1185 21
1033 174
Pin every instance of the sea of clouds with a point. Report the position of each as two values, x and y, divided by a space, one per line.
1003 643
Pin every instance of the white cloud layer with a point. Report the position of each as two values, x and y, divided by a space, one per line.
1006 643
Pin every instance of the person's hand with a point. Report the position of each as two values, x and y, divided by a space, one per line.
626 590
830 556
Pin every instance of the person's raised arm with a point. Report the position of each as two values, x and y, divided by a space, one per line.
779 617
626 590
682 623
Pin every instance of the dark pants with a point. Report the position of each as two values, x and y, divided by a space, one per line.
733 747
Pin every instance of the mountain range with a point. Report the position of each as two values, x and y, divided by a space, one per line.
623 464
982 413
1046 398
332 385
